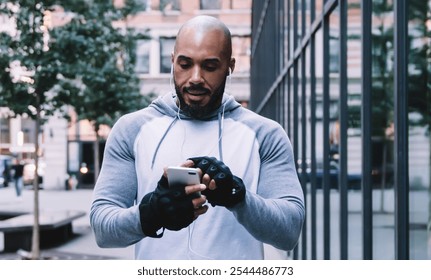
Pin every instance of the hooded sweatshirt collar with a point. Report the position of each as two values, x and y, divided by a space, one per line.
166 105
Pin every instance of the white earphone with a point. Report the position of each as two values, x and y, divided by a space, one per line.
229 80
171 81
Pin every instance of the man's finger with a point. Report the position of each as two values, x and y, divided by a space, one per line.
212 185
200 211
194 189
188 163
199 202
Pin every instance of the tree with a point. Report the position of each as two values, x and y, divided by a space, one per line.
29 73
99 76
84 63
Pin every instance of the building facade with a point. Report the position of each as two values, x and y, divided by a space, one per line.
161 21
350 83
67 147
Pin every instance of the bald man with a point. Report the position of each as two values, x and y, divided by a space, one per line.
249 193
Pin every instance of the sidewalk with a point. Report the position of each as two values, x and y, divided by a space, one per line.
83 245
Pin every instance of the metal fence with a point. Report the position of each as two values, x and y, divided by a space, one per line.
310 61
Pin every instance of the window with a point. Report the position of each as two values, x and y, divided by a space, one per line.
28 127
169 5
334 55
143 56
4 130
166 48
210 4
146 4
241 52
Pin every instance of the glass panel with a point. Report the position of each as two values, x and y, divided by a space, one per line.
166 48
143 56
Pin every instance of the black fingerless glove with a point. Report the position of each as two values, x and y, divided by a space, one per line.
167 208
230 189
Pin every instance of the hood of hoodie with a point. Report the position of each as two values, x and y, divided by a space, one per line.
166 105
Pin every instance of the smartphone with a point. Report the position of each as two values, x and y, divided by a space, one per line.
183 176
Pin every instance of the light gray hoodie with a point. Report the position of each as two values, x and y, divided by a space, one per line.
255 149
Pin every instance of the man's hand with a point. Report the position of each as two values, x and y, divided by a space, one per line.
223 188
170 208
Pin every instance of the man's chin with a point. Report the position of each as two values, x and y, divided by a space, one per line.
196 111
199 106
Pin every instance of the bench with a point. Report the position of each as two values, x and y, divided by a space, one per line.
7 214
54 227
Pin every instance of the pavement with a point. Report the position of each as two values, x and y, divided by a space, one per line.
83 244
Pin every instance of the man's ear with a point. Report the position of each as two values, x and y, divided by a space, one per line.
231 65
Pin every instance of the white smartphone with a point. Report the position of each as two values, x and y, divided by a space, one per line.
184 176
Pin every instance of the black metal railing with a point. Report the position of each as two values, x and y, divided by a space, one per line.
293 82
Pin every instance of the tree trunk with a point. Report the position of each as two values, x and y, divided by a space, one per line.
35 245
96 156
429 193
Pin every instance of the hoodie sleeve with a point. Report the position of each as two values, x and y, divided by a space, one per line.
275 214
114 217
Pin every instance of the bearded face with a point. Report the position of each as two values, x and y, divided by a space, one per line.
201 62
194 108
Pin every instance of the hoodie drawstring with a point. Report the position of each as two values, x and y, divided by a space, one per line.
220 134
161 140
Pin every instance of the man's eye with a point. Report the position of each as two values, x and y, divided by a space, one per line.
184 66
210 68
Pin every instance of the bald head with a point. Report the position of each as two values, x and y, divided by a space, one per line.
201 26
201 62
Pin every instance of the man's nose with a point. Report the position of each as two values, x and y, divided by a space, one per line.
196 77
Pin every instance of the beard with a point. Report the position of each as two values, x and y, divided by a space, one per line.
195 110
